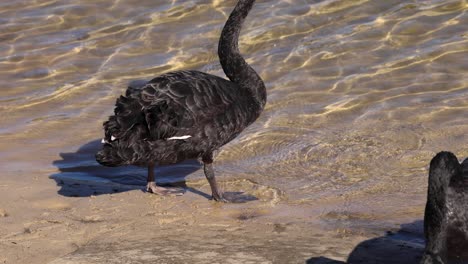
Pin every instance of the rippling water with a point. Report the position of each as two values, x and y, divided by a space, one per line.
361 94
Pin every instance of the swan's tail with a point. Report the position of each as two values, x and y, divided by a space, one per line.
122 131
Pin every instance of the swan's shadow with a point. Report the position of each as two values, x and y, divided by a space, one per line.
80 175
405 246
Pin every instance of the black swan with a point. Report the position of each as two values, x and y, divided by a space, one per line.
446 215
186 114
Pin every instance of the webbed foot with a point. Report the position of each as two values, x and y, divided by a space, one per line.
219 197
151 187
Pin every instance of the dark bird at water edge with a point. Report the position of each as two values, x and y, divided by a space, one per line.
446 214
186 114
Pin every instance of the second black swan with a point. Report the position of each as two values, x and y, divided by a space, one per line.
446 214
186 114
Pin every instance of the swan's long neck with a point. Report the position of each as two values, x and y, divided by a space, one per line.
234 66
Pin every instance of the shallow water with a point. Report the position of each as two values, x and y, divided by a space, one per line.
361 94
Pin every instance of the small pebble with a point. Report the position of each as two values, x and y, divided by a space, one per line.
3 213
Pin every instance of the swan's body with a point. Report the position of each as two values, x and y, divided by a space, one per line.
150 123
446 214
186 114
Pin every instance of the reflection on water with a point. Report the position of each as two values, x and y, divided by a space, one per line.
361 93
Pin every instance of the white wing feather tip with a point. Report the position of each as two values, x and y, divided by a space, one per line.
181 137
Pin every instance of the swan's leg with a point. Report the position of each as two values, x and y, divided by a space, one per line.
153 188
210 176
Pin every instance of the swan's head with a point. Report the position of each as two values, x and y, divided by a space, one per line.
443 169
109 156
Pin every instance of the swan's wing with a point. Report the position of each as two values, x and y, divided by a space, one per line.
178 103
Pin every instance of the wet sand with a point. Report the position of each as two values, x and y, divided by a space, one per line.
58 217
137 227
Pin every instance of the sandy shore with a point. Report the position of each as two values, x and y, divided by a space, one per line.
40 226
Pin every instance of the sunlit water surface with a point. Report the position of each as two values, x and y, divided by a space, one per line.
361 94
